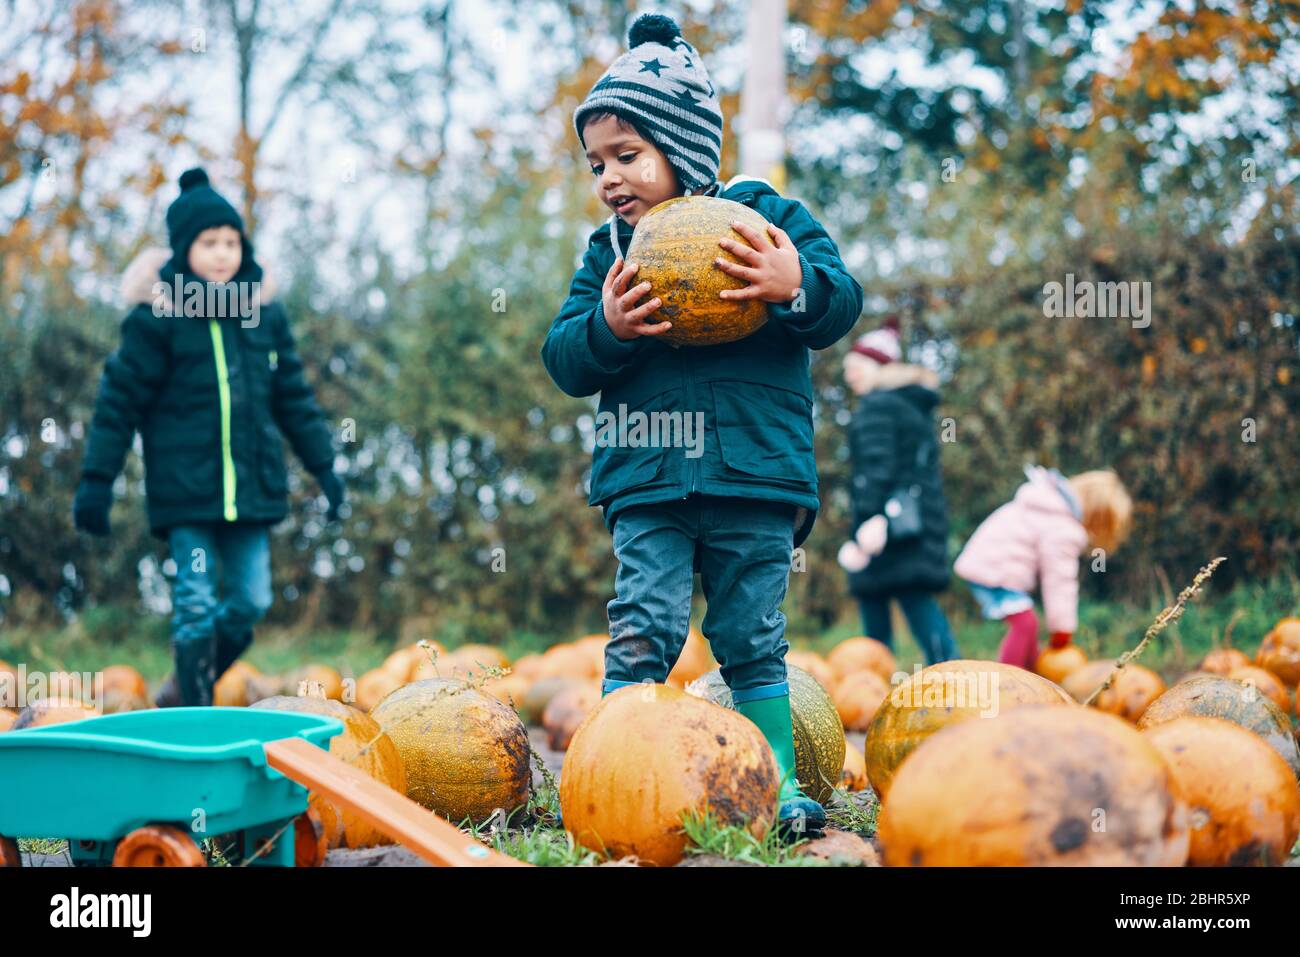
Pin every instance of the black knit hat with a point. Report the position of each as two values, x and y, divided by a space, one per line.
201 207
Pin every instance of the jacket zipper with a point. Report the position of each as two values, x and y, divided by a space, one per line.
689 376
223 391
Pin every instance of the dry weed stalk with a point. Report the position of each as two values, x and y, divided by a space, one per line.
1163 620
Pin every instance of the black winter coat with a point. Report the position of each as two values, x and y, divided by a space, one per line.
888 428
210 398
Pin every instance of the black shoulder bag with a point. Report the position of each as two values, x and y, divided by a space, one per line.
903 507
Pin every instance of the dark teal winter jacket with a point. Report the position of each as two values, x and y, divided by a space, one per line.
755 395
210 399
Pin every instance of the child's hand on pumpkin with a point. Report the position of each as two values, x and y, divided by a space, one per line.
625 318
771 268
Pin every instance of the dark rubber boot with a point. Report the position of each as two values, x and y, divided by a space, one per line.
195 672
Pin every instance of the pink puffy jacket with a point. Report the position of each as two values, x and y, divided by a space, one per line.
1034 538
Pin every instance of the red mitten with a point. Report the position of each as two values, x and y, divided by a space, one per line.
1060 639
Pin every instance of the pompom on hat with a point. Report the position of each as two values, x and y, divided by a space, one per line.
883 345
660 85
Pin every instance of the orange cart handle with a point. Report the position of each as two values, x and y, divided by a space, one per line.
434 839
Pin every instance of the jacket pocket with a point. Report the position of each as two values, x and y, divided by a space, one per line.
765 434
183 475
630 444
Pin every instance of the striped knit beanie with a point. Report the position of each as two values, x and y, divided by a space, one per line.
661 86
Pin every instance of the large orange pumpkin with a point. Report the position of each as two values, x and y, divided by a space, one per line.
328 678
508 689
50 711
1279 652
649 754
466 754
675 244
1040 785
1267 683
375 685
818 731
1132 691
126 679
568 661
695 661
1244 800
858 697
8 683
362 744
540 693
944 694
567 710
815 665
231 689
1057 664
854 776
862 654
1219 697
7 718
1222 660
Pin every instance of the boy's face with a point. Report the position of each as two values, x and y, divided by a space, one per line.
632 174
216 254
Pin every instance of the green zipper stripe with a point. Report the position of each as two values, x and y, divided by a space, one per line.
223 389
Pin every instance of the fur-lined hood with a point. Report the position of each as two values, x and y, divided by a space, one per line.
894 375
146 270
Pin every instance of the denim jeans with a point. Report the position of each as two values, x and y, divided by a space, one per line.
924 616
209 633
744 549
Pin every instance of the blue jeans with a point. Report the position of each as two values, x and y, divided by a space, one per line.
924 616
744 549
208 633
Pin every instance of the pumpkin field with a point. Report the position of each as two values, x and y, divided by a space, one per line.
774 434
966 763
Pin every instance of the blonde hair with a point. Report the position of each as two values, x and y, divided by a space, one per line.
1107 508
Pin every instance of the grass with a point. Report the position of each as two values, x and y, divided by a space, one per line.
1106 629
711 837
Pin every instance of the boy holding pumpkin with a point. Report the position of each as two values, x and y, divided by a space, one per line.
652 130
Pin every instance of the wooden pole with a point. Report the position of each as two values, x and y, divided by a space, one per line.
763 105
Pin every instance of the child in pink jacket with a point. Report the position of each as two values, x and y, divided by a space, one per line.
1038 537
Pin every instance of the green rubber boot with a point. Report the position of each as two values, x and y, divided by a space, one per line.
769 708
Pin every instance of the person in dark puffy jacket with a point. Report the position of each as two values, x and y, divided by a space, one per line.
208 374
894 449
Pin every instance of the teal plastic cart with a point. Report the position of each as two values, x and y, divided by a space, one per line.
147 787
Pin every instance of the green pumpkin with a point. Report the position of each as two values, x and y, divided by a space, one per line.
818 731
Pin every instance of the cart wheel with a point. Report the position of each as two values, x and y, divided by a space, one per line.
158 845
9 856
309 841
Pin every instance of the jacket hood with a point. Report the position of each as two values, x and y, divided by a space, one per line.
899 375
1047 491
140 277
